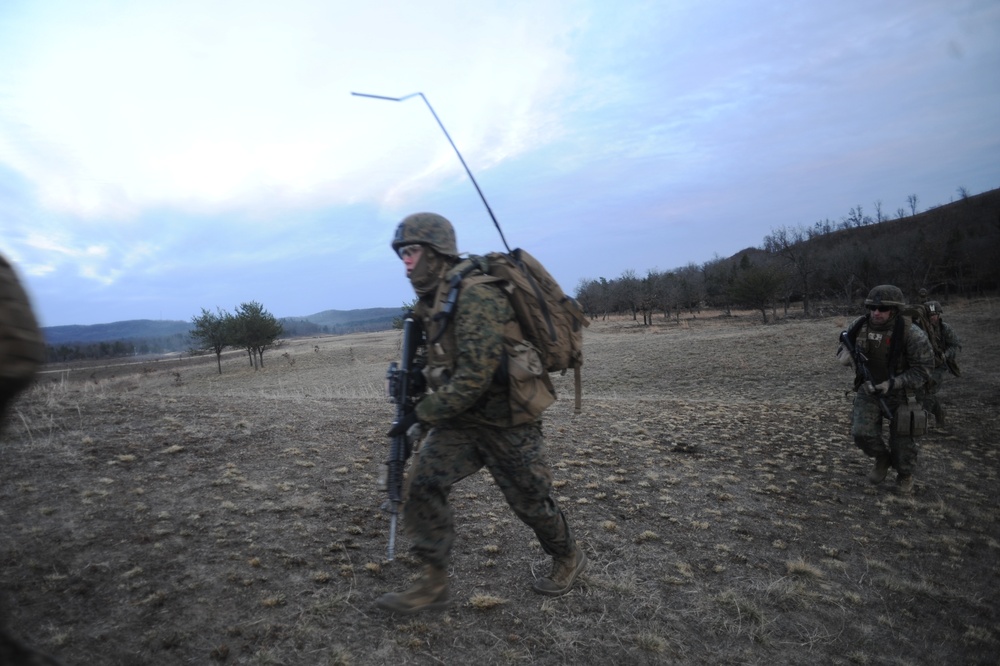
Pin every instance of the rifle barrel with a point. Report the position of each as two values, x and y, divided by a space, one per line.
392 534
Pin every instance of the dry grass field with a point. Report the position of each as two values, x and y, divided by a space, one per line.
161 513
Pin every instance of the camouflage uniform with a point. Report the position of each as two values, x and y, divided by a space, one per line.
467 413
469 419
946 342
911 367
22 348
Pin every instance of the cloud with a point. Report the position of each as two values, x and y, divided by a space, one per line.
120 106
184 153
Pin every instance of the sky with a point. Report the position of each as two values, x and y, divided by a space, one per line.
158 157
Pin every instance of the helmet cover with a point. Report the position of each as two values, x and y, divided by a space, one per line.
886 295
428 229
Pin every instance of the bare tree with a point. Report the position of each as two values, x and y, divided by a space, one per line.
912 200
594 296
794 247
214 331
717 277
963 193
691 286
755 286
857 218
255 329
649 296
627 292
822 227
586 295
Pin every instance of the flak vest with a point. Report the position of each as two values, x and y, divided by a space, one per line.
883 347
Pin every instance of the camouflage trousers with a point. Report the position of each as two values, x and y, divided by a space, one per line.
515 460
866 428
928 395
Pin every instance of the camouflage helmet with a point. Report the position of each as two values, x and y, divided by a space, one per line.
426 229
886 294
933 308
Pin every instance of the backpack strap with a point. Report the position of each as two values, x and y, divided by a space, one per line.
899 331
455 278
578 386
852 335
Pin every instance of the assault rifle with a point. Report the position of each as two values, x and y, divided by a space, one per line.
404 386
861 363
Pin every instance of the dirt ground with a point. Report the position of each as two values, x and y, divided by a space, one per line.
162 513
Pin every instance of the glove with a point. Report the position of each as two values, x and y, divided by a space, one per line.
844 356
409 419
415 432
884 387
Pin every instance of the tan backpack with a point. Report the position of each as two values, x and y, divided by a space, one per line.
550 321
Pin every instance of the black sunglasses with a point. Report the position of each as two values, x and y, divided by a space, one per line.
880 308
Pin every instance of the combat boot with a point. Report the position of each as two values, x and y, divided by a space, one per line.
905 483
877 475
938 413
564 573
429 592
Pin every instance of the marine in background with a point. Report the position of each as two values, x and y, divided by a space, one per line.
946 345
900 360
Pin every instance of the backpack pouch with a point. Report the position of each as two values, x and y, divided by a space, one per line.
911 419
529 387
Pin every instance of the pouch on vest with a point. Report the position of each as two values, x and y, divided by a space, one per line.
529 388
911 419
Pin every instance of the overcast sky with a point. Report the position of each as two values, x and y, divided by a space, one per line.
157 157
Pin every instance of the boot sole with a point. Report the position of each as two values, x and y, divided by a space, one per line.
387 605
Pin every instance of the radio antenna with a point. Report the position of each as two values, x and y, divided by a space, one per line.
460 158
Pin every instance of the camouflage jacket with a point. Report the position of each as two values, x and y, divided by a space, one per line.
911 367
461 367
22 347
947 342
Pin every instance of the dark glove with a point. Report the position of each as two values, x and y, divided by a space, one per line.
402 426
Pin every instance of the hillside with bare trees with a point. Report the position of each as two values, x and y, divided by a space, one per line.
949 250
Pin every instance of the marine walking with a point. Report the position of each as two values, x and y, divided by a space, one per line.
464 420
893 360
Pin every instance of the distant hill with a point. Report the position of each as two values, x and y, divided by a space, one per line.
328 321
336 318
119 330
341 322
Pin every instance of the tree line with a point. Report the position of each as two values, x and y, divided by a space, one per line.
251 328
946 250
81 351
249 317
